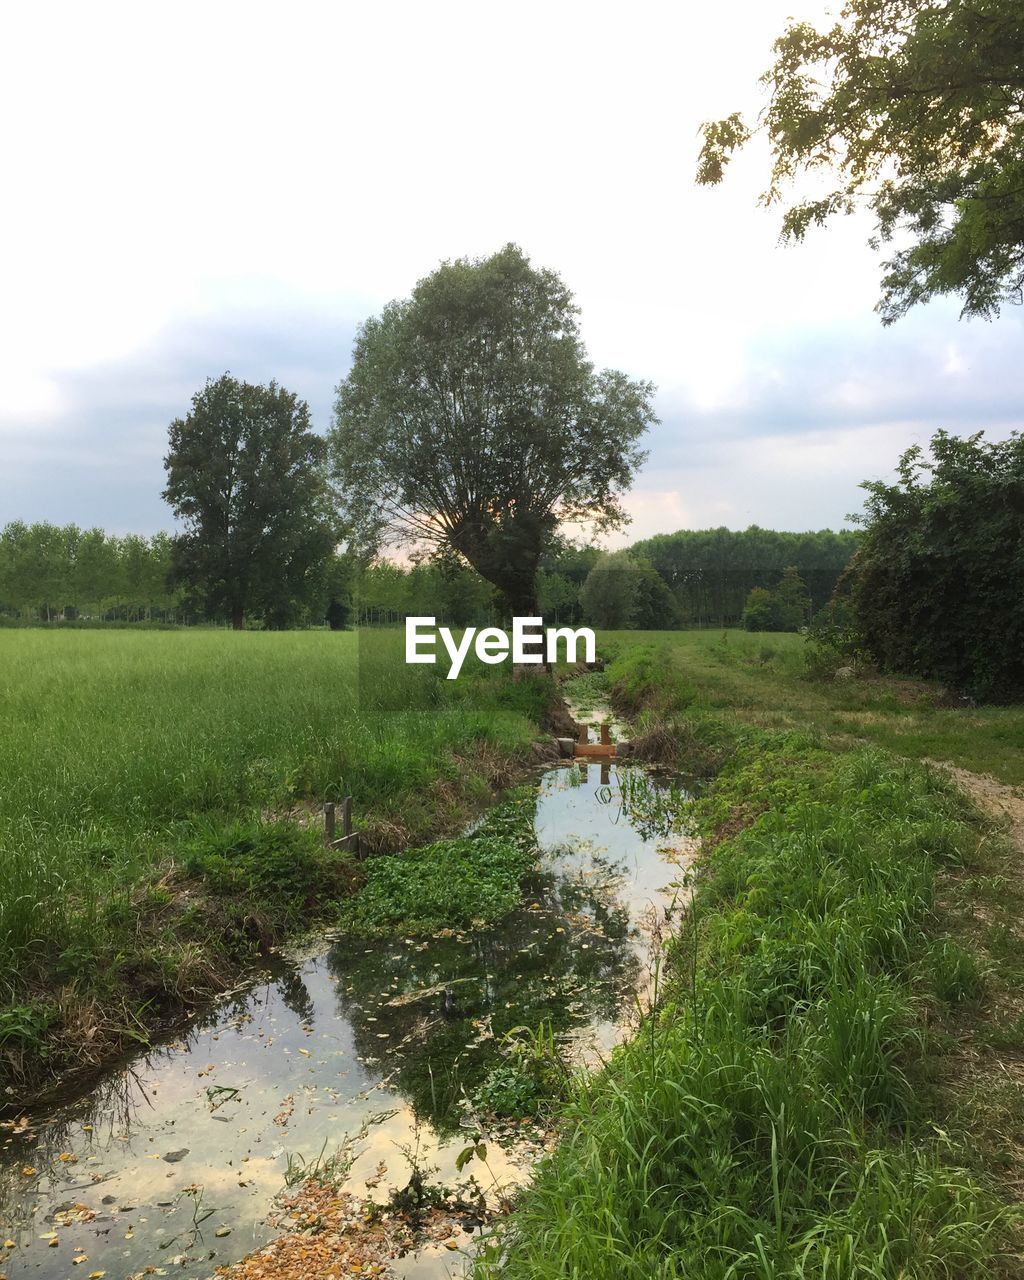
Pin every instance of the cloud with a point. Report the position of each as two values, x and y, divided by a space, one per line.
234 189
96 457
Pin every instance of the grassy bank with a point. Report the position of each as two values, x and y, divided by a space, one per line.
159 801
817 1094
761 680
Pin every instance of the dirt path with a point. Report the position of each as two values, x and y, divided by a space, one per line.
997 799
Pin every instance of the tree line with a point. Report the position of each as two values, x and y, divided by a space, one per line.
50 573
711 572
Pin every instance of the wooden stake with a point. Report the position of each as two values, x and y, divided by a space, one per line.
329 823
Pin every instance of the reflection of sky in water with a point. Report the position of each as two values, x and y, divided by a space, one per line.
326 1045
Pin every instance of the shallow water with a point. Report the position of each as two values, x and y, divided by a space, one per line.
197 1135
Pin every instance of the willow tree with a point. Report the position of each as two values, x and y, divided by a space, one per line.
915 108
472 420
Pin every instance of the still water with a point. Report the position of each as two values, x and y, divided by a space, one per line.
174 1160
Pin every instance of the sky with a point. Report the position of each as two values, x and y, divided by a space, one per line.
196 188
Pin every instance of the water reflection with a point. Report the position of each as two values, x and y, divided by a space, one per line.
397 1028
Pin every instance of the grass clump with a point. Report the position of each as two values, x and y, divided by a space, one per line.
281 867
467 882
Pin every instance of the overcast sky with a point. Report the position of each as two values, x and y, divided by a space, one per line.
194 188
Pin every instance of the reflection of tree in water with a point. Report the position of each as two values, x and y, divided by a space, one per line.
295 995
413 1005
650 806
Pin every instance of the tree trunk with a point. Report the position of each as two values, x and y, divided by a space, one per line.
237 618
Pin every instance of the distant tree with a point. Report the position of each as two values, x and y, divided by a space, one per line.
783 608
471 419
94 574
463 597
382 592
245 472
918 105
18 587
609 596
558 596
759 611
656 608
791 602
937 586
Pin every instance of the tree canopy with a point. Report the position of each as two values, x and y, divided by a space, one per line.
245 471
917 106
937 585
472 420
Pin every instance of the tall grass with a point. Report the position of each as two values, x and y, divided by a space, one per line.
764 1124
116 748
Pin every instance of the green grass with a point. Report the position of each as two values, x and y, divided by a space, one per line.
799 1106
467 882
761 679
133 762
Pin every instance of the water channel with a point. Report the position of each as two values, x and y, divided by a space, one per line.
387 1037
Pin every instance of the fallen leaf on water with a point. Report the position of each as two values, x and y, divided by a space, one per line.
97 1275
305 1053
27 1171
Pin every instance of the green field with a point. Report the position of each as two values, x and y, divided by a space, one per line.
133 763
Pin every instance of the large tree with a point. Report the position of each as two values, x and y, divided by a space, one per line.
245 471
472 420
918 107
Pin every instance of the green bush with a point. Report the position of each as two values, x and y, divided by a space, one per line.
937 585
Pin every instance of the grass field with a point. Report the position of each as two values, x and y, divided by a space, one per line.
133 762
761 679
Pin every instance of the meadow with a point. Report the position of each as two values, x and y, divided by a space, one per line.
132 763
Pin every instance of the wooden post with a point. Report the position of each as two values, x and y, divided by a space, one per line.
329 823
346 816
584 736
606 735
